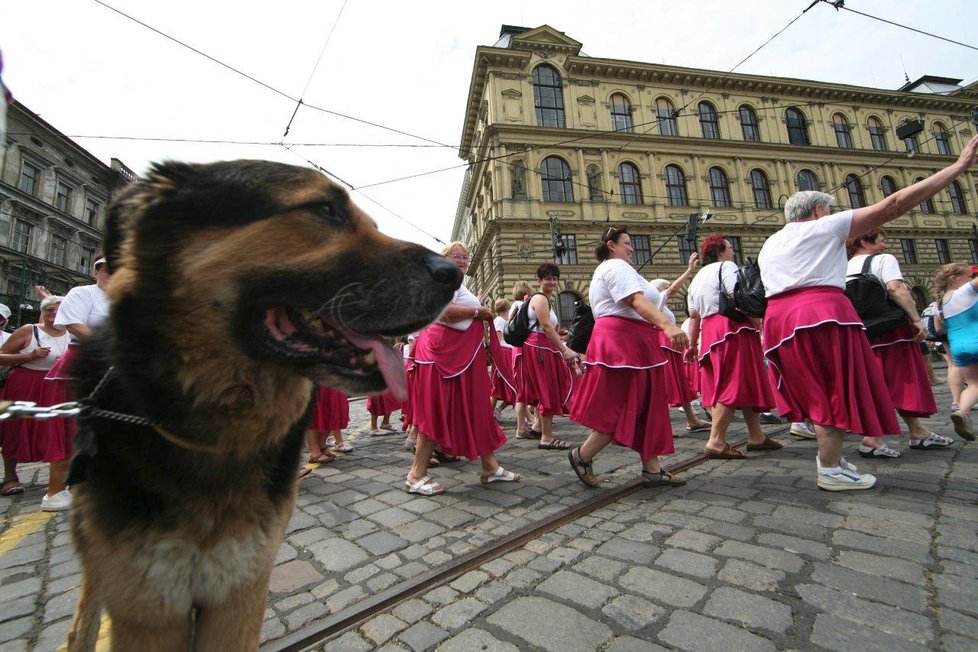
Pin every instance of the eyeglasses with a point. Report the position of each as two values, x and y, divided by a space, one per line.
459 257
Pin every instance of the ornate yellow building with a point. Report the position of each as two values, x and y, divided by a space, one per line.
558 141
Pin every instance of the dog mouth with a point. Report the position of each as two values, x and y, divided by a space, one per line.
307 338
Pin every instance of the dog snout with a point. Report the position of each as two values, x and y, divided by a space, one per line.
444 271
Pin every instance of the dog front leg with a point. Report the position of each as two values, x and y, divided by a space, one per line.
236 623
85 625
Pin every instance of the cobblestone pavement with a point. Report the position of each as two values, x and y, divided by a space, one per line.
748 555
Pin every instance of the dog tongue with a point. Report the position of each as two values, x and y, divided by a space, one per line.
391 364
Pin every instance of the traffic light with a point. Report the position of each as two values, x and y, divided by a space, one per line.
558 241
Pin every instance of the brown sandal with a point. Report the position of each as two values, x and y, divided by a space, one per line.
577 463
728 453
322 458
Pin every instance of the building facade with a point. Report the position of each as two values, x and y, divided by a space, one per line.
562 145
53 200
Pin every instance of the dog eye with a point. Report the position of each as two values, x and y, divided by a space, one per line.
324 210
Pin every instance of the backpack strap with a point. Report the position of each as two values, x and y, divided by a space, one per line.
37 337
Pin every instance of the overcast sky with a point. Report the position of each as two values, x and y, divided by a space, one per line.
405 65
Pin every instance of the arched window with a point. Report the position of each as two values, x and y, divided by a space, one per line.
843 136
676 186
665 114
958 204
748 124
630 184
719 187
877 135
806 180
857 199
621 113
548 97
888 185
555 175
941 139
708 121
797 126
927 206
761 187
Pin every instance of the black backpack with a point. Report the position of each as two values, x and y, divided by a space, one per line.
517 329
579 334
748 294
872 302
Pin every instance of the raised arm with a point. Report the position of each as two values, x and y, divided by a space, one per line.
902 201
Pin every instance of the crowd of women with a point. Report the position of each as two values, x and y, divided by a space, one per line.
810 358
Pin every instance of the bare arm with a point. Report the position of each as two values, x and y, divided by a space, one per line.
901 296
79 331
541 308
647 311
694 261
902 201
9 352
455 313
694 336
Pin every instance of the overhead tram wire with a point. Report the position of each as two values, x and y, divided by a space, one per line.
314 68
839 5
264 84
261 143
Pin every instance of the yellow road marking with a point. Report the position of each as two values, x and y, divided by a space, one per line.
23 526
104 637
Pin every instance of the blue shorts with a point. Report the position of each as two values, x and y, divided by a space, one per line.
964 354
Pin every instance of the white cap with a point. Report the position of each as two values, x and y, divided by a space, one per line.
100 261
4 311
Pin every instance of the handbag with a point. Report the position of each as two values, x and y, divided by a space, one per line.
581 326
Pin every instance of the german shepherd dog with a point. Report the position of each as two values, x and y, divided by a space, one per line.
235 287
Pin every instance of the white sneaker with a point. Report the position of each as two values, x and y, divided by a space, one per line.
331 441
59 502
801 429
844 464
345 447
844 480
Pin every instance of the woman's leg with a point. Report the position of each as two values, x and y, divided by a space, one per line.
594 444
373 422
57 475
316 453
969 396
547 428
385 421
955 379
422 453
692 420
10 471
521 426
755 435
722 415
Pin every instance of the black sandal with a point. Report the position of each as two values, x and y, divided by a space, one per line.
587 477
554 444
444 457
662 479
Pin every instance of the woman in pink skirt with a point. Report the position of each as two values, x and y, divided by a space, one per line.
820 360
621 396
546 379
679 391
34 349
731 360
450 401
503 382
381 406
330 413
898 351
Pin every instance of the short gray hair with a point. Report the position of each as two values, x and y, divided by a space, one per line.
47 301
802 204
659 284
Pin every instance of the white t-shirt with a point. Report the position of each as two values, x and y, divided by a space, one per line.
613 281
806 254
85 304
664 308
464 298
499 323
703 294
884 267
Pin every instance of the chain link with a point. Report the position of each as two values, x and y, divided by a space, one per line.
30 410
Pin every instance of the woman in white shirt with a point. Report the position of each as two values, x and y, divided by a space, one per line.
621 396
731 360
897 351
450 402
503 383
820 360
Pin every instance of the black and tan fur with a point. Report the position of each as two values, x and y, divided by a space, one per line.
177 526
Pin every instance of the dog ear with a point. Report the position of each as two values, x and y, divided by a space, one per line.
135 200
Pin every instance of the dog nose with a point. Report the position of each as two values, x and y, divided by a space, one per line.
444 271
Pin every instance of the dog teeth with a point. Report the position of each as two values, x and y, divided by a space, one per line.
370 358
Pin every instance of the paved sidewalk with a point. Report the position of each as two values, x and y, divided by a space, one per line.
748 555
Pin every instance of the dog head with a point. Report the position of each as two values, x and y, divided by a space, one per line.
259 271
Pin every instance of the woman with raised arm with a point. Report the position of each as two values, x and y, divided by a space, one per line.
621 396
957 305
820 361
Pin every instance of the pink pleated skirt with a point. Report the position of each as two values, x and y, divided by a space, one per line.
34 440
678 389
623 390
454 409
732 366
821 364
331 412
406 420
503 380
905 372
382 404
546 381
